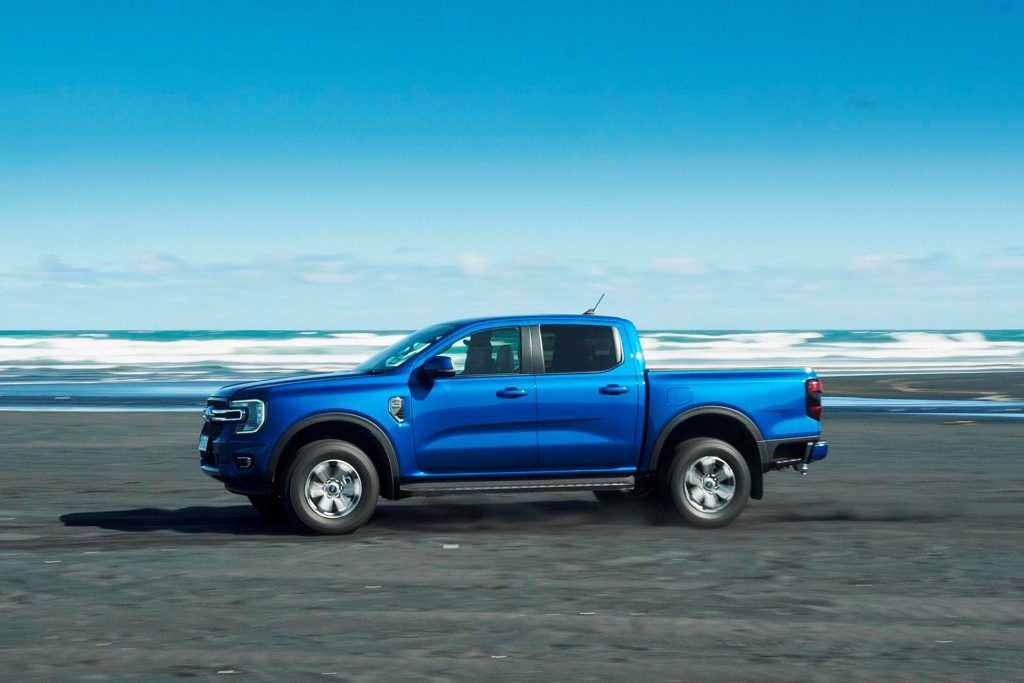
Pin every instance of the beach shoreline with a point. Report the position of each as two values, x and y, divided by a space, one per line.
1002 386
119 555
997 388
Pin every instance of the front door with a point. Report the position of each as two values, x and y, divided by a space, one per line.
588 399
484 419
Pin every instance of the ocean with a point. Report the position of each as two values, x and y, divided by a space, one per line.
177 369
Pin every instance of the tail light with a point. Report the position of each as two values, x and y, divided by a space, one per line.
814 398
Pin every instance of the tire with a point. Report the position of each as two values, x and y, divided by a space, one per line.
332 487
708 482
270 507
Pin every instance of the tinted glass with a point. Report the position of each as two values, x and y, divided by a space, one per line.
402 351
579 348
488 352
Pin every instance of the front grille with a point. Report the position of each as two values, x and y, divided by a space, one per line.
208 456
214 429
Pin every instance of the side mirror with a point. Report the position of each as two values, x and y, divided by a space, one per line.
438 366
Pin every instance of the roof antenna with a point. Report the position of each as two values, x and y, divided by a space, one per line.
590 311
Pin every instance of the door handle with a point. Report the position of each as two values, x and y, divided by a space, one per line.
614 389
511 392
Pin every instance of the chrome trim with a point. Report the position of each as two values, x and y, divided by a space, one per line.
333 488
396 408
525 487
709 484
212 414
498 485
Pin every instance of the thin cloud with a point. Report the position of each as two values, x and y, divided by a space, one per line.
330 269
680 265
897 264
343 290
473 263
1010 259
158 264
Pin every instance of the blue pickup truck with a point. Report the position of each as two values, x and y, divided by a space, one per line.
510 404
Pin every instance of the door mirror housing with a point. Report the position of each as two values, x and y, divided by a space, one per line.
438 366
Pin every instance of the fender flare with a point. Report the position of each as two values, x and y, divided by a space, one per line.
379 434
723 411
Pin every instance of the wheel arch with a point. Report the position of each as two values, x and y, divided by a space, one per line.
721 422
359 430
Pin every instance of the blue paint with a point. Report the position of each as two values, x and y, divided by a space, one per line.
819 451
529 423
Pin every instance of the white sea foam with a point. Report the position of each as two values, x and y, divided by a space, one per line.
94 355
889 351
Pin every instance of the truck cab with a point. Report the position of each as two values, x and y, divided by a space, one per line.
506 404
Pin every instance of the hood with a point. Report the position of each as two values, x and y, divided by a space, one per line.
230 390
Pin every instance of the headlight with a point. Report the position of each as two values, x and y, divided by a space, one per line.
255 415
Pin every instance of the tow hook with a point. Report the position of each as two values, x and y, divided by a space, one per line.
815 451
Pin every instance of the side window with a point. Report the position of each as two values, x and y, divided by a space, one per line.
580 348
488 352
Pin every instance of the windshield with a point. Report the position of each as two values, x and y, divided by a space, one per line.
404 350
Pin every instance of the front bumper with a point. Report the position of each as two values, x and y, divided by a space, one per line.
239 464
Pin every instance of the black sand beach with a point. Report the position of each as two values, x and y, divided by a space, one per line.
898 557
984 386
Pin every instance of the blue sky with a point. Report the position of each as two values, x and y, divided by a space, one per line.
342 165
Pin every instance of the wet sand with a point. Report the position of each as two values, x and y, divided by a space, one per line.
897 557
985 386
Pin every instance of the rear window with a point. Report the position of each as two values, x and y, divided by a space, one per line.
580 348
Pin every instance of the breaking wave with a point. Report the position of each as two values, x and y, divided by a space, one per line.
31 357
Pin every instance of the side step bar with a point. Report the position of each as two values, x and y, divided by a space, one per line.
437 488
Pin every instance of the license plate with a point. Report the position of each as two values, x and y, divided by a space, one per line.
204 441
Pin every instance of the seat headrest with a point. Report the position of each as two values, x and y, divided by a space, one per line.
479 340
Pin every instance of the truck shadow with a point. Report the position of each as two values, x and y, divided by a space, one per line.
451 515
232 519
473 514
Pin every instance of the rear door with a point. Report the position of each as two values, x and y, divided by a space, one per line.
588 397
483 420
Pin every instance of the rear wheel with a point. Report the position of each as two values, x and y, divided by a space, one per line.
269 506
332 487
707 481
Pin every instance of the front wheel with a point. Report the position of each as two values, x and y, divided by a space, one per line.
708 482
332 487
